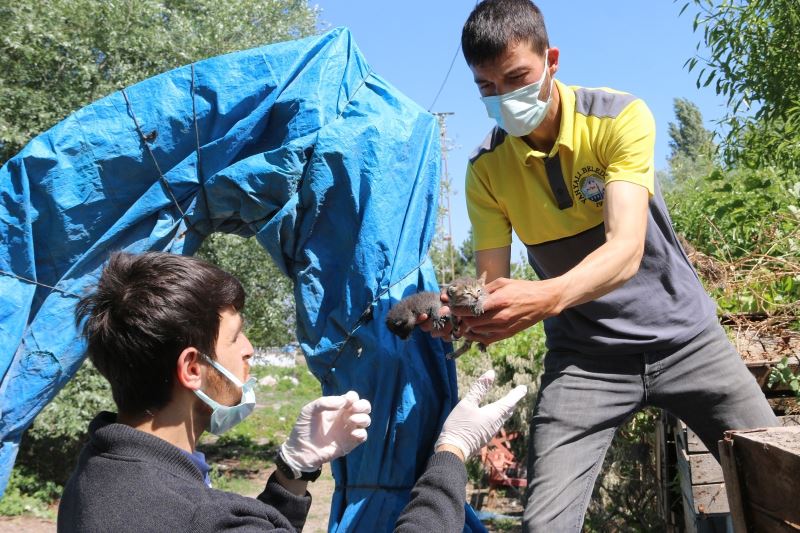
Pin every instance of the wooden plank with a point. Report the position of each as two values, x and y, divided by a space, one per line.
700 468
732 486
763 521
702 479
705 469
709 498
661 483
695 523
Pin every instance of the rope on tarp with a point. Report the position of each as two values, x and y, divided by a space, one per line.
40 284
146 140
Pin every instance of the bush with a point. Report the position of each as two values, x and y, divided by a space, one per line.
27 494
747 223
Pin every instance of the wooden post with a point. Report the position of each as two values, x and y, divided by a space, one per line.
732 484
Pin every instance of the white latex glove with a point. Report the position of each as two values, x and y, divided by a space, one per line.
327 428
469 427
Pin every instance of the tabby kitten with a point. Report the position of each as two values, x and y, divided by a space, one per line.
466 292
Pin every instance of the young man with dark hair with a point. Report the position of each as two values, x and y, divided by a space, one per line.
166 332
627 320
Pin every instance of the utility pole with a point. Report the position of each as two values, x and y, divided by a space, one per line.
444 229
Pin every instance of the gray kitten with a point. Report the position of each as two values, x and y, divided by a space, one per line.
462 292
402 318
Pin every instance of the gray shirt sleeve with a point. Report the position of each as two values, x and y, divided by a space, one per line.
438 497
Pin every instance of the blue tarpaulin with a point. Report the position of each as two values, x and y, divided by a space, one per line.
297 144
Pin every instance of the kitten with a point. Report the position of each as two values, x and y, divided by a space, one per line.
402 318
462 292
466 292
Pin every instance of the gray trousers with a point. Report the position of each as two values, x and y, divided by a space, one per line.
584 399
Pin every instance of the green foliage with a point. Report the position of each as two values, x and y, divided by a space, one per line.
725 213
68 415
269 309
688 136
692 146
752 60
60 55
783 374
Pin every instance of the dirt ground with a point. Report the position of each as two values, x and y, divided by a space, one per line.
25 524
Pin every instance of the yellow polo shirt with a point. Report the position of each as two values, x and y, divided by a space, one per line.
554 202
605 136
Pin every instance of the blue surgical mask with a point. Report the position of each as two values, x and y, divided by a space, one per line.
520 112
224 417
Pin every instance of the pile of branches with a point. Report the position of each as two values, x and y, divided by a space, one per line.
777 266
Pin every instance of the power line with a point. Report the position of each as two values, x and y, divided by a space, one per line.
441 87
444 81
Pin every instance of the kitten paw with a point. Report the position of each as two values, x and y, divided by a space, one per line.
439 322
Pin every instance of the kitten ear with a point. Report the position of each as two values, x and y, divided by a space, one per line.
482 279
451 290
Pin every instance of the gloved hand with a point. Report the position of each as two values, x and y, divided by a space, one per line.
327 428
469 427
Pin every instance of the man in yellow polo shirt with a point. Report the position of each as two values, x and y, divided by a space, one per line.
627 320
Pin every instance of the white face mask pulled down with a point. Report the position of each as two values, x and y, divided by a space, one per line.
224 417
520 112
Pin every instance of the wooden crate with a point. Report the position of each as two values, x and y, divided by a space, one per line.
762 474
705 498
683 458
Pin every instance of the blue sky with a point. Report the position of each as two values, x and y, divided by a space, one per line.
637 46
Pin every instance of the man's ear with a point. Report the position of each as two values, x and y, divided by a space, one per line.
188 368
553 55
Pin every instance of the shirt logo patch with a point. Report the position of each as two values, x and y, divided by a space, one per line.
588 184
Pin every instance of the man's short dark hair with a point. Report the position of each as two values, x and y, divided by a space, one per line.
147 308
495 24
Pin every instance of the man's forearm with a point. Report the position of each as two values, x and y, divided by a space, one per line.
602 271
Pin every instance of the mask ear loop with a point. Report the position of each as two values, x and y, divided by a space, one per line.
224 371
